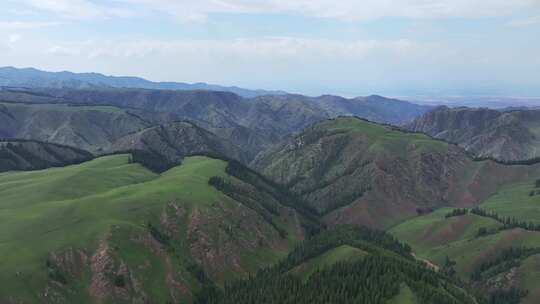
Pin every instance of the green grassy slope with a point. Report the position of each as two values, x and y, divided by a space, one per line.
515 201
430 233
343 253
434 237
405 296
385 137
108 203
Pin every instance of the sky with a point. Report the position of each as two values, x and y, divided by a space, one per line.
348 47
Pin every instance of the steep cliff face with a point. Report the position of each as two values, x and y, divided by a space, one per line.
507 136
354 171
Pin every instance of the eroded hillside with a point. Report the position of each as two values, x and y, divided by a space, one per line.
355 171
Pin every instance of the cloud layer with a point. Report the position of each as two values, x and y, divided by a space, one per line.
198 10
275 62
319 46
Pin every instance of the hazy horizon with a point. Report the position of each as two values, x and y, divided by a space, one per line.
411 48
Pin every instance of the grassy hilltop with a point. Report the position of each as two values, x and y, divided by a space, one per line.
111 230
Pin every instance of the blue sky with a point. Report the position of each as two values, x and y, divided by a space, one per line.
348 47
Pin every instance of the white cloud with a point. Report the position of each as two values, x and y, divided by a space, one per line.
8 43
77 9
13 38
290 63
416 9
198 10
264 49
218 60
24 25
58 50
525 22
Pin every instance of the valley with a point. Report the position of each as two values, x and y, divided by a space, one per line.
472 238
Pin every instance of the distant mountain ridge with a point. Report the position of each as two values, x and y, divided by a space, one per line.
374 107
16 155
92 128
254 124
34 78
171 142
512 135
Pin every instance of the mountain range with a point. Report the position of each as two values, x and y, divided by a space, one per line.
34 78
141 195
255 124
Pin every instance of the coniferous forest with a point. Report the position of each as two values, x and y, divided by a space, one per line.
376 278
